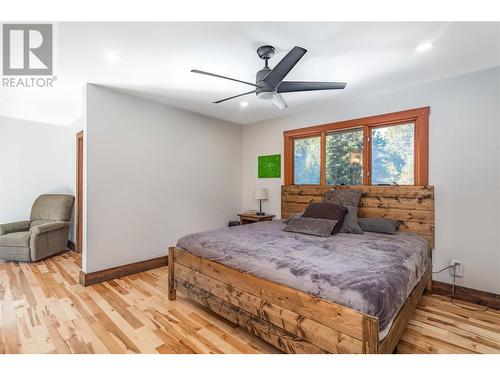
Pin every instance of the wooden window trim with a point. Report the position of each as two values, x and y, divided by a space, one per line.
79 192
419 116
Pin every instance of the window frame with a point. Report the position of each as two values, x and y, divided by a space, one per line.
418 116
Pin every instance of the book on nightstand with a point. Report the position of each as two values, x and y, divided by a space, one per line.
250 212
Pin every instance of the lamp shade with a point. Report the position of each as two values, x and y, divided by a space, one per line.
260 193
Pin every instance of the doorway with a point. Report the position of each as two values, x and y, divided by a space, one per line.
79 192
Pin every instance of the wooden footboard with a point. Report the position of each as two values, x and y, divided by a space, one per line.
289 319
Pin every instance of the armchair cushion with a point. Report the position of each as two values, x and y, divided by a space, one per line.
39 222
57 207
15 239
47 227
17 226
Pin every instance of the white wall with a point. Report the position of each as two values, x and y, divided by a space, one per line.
464 164
154 173
33 161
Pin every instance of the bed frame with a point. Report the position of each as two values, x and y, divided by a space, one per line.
294 321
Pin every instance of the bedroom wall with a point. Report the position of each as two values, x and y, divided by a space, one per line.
154 173
33 161
464 164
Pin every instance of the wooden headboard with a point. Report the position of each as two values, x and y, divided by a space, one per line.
413 206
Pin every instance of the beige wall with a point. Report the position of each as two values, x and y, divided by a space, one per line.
464 164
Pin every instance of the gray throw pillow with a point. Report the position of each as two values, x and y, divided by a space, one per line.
379 225
309 225
327 210
343 197
350 224
286 221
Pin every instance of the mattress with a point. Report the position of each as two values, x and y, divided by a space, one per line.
373 273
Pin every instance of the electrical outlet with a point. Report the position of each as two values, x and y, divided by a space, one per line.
458 270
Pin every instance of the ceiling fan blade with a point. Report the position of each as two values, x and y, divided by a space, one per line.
279 101
287 86
219 76
280 71
232 97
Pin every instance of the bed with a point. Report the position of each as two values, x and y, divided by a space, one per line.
304 294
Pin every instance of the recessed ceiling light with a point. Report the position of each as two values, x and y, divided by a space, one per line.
244 104
113 56
425 46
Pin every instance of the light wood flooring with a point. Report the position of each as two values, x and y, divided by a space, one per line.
43 309
441 325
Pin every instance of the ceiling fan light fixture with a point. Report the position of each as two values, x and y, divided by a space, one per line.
270 84
265 95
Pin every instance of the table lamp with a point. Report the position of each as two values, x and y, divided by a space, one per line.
260 194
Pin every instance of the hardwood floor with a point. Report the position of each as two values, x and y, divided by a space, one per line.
43 309
443 326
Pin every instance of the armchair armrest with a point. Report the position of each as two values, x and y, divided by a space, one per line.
17 226
43 228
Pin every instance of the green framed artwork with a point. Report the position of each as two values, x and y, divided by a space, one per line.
269 166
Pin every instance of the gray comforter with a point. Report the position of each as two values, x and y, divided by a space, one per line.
372 273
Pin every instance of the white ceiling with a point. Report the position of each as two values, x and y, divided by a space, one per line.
157 59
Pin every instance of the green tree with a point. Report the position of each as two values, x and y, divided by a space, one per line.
344 158
307 160
392 155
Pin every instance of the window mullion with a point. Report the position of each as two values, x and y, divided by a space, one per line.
367 155
322 175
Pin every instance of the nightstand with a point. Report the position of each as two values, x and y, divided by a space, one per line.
250 218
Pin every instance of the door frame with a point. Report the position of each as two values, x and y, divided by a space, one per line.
79 192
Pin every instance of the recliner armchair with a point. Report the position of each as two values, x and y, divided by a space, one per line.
45 234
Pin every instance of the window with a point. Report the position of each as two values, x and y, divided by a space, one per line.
306 162
393 154
378 150
344 157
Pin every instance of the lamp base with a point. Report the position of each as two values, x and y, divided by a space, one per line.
260 213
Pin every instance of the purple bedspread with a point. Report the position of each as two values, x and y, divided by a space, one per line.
371 272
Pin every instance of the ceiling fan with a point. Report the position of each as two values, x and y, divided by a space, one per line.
269 82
